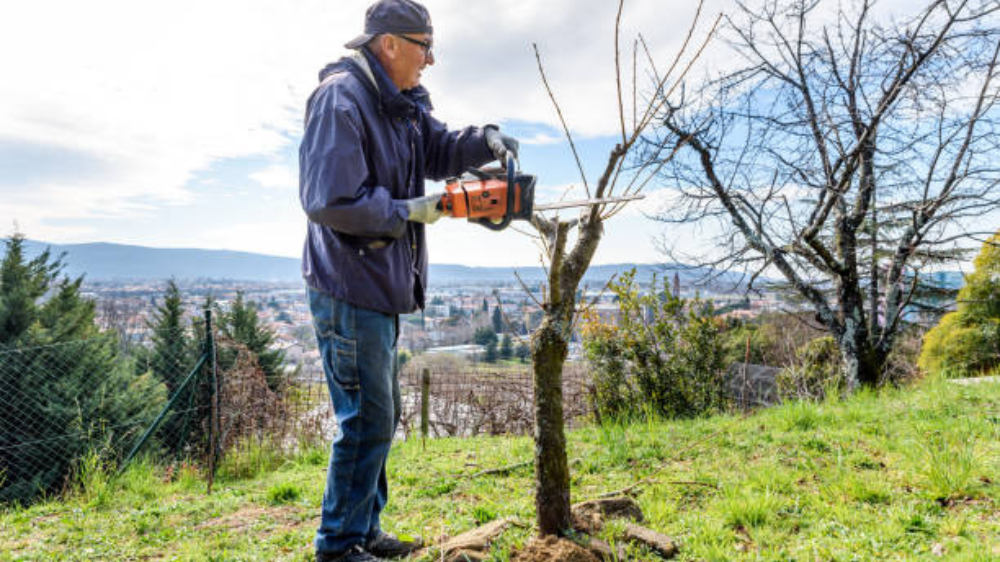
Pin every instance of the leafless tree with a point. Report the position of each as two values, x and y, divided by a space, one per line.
846 153
124 315
567 263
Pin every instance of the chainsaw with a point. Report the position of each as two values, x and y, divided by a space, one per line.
493 197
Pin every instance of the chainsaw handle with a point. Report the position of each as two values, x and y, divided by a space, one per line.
494 225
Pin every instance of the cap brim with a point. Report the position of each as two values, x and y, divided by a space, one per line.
359 41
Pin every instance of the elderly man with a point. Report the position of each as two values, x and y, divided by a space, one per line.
369 143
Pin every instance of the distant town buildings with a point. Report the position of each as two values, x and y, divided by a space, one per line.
446 325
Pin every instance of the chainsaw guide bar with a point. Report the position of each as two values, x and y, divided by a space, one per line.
493 197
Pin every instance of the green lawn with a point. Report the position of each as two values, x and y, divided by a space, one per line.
901 475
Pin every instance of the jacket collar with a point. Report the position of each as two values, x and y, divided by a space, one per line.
395 103
363 64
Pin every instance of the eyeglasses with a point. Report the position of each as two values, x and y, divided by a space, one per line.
428 46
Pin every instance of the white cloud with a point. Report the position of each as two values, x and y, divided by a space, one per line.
277 238
655 202
159 92
540 139
278 177
487 68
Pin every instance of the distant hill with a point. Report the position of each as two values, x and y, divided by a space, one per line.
596 276
103 261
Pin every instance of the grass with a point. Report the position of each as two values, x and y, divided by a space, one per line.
897 475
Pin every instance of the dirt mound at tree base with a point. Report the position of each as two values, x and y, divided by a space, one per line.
553 549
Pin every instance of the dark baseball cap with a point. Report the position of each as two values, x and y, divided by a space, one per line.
393 16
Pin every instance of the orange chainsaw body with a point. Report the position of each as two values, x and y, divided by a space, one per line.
491 197
475 199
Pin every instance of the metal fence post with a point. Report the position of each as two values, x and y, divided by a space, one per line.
425 403
213 420
159 418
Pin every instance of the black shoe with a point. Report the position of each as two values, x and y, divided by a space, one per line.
388 546
354 554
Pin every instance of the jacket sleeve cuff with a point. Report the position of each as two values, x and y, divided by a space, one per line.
402 213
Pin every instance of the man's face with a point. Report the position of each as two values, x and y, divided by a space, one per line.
410 60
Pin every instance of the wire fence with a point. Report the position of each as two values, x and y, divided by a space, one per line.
61 402
483 400
66 402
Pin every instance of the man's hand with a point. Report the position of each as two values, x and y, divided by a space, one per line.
500 144
425 209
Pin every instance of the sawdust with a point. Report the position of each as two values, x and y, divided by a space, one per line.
553 549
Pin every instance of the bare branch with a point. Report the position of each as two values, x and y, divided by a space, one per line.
569 137
527 290
618 70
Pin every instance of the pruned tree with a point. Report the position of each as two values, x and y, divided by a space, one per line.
843 153
568 247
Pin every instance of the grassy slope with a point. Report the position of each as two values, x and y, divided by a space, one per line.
905 475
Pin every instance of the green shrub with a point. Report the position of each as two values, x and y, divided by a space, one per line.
817 373
967 342
956 349
283 493
664 356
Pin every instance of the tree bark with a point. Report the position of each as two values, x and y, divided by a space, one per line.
552 500
862 362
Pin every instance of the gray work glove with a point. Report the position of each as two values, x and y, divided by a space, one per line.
425 209
500 144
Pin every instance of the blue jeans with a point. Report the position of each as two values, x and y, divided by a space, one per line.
358 347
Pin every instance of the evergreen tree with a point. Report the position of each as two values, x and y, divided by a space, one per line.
170 358
175 351
22 283
243 325
497 320
66 390
523 352
491 352
506 347
484 336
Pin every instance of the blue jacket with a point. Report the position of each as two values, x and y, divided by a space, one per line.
366 148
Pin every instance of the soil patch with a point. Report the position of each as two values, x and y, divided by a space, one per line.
275 518
553 549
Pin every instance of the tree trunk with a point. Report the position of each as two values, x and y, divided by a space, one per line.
862 362
552 501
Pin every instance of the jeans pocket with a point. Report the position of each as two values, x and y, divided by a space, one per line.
344 360
334 324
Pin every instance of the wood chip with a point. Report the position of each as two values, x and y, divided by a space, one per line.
659 542
604 551
477 539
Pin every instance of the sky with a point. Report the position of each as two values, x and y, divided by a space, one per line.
177 124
